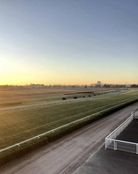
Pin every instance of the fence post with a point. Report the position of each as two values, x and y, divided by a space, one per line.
136 148
106 143
115 145
133 114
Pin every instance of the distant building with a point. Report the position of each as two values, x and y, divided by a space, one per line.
99 84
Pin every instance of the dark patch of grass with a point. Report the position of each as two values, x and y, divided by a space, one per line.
64 98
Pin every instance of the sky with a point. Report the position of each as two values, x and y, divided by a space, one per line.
68 41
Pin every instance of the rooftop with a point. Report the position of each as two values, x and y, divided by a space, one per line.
111 162
130 133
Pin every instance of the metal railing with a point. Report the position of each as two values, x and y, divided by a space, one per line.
112 143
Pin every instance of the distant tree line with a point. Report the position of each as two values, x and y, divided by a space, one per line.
68 86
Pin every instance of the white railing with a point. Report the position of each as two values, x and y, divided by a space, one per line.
112 143
136 114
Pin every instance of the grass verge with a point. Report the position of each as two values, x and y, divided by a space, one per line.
51 135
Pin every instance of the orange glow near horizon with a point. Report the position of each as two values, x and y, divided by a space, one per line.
19 73
69 43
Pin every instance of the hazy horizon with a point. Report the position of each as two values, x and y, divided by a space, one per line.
68 42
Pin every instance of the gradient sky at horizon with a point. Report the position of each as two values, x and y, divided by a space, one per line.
68 41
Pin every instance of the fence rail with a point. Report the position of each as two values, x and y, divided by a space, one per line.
112 143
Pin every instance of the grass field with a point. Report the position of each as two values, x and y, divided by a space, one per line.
18 124
18 96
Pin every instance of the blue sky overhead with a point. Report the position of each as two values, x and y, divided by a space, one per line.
68 42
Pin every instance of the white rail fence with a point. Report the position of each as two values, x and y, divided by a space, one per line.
112 143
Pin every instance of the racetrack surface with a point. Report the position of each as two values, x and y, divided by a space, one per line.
67 154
